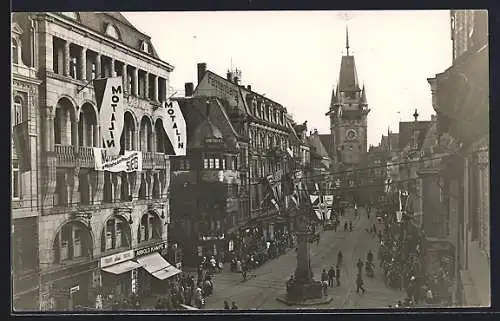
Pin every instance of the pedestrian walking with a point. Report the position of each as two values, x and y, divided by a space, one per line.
331 276
359 283
234 306
360 265
337 274
350 226
339 258
346 226
317 239
324 276
226 305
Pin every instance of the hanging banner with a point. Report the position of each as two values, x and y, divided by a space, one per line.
174 125
130 162
109 97
328 199
21 137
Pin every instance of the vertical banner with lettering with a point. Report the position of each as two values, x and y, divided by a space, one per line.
21 139
174 125
109 97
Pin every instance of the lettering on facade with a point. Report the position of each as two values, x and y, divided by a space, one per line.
150 249
117 258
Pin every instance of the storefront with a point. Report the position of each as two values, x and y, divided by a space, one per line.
212 245
117 276
68 288
155 271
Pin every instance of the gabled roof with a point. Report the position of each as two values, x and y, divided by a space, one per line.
199 126
315 142
406 130
327 142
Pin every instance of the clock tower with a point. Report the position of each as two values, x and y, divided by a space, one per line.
348 116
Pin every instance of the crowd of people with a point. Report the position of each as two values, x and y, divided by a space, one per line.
402 260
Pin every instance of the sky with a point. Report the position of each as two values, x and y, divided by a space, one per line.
293 57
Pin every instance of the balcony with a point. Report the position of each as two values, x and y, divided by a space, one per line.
67 156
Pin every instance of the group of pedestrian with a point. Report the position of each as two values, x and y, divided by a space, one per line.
232 307
348 226
333 274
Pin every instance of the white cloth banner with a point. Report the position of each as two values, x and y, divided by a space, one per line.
130 162
174 125
313 198
328 199
109 97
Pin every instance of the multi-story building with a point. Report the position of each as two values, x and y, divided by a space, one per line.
206 189
265 159
88 220
25 167
348 114
460 98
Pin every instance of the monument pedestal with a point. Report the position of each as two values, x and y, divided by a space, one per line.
303 290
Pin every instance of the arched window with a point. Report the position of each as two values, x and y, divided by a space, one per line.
15 51
112 31
73 241
18 110
116 234
149 228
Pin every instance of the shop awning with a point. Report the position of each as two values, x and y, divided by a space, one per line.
157 266
121 267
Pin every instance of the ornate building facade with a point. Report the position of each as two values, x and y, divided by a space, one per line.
87 218
460 97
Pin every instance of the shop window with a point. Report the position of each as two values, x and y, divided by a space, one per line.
234 163
217 163
205 163
73 67
211 163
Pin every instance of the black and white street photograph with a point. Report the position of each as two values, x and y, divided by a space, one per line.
169 161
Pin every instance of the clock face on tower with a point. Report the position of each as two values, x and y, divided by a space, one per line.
351 134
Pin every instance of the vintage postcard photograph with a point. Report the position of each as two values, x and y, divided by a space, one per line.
249 160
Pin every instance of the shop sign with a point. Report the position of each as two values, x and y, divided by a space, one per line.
150 249
212 237
117 258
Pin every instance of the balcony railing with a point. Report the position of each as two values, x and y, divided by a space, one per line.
67 156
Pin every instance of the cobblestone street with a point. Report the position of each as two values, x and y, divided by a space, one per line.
268 281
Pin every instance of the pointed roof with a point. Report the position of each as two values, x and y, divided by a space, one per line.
348 79
363 95
327 141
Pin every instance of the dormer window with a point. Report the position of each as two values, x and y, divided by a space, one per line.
145 47
71 15
112 31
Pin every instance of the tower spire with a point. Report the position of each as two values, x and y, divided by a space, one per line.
347 39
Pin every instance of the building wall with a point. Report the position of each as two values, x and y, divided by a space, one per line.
55 89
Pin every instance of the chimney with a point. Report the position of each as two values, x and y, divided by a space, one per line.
249 88
188 89
202 69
